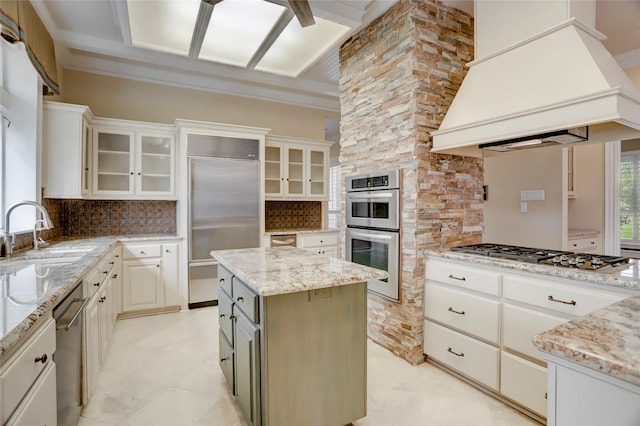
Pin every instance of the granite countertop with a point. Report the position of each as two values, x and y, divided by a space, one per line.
273 271
298 231
33 282
606 340
627 276
580 233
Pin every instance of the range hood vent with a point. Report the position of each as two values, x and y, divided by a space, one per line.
561 137
562 78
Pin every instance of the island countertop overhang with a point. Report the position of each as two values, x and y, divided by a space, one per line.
273 271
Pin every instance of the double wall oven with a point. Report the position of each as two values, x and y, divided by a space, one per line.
373 227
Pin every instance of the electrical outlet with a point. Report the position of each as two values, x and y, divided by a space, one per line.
523 207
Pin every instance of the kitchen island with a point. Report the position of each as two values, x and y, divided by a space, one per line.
293 330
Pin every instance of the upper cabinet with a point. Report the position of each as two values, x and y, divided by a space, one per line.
296 169
133 159
66 130
88 157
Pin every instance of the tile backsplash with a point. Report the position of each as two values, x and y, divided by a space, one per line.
117 217
298 215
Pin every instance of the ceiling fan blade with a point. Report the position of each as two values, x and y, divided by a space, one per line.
303 12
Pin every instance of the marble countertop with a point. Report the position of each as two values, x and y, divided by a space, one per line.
627 276
33 282
273 271
606 340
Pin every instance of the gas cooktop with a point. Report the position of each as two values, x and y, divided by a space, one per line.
584 261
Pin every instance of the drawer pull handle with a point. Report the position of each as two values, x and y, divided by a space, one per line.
221 315
96 284
221 280
454 311
225 359
545 395
114 276
240 299
111 263
455 353
102 299
453 277
43 358
552 299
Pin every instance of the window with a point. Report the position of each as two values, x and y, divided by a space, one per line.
334 198
629 197
21 101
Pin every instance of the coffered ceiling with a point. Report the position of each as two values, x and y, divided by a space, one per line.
115 37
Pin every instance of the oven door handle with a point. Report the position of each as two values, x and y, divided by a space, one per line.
364 236
370 196
75 317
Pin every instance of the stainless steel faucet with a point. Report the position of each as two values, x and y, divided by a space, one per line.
9 239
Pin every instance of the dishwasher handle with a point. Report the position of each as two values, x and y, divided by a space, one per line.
76 316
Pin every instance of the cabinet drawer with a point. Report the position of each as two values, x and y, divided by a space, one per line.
461 276
470 357
246 300
557 296
224 279
314 240
521 324
39 406
524 382
472 314
23 369
226 360
137 251
224 315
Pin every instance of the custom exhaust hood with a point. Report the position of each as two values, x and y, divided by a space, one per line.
560 86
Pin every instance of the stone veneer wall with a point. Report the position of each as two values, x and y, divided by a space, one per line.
397 78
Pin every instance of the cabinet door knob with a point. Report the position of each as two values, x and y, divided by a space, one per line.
139 173
167 251
42 358
157 266
131 173
142 252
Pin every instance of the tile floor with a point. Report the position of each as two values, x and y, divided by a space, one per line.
163 370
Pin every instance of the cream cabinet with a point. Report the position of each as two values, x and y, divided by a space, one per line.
323 243
480 322
133 159
296 168
27 380
66 145
99 316
462 320
150 277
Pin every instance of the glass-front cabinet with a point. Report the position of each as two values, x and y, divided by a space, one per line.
113 161
296 169
135 161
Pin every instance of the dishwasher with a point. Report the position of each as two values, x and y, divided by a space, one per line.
68 355
284 240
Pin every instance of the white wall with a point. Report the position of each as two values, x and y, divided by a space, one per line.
506 175
586 211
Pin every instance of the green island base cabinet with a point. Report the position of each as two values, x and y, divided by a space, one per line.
480 321
293 336
295 358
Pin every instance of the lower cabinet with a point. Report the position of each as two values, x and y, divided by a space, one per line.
28 382
311 371
39 406
480 322
150 277
247 352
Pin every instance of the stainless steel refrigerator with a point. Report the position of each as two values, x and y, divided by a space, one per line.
224 206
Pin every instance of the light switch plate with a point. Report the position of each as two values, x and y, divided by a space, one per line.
523 207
